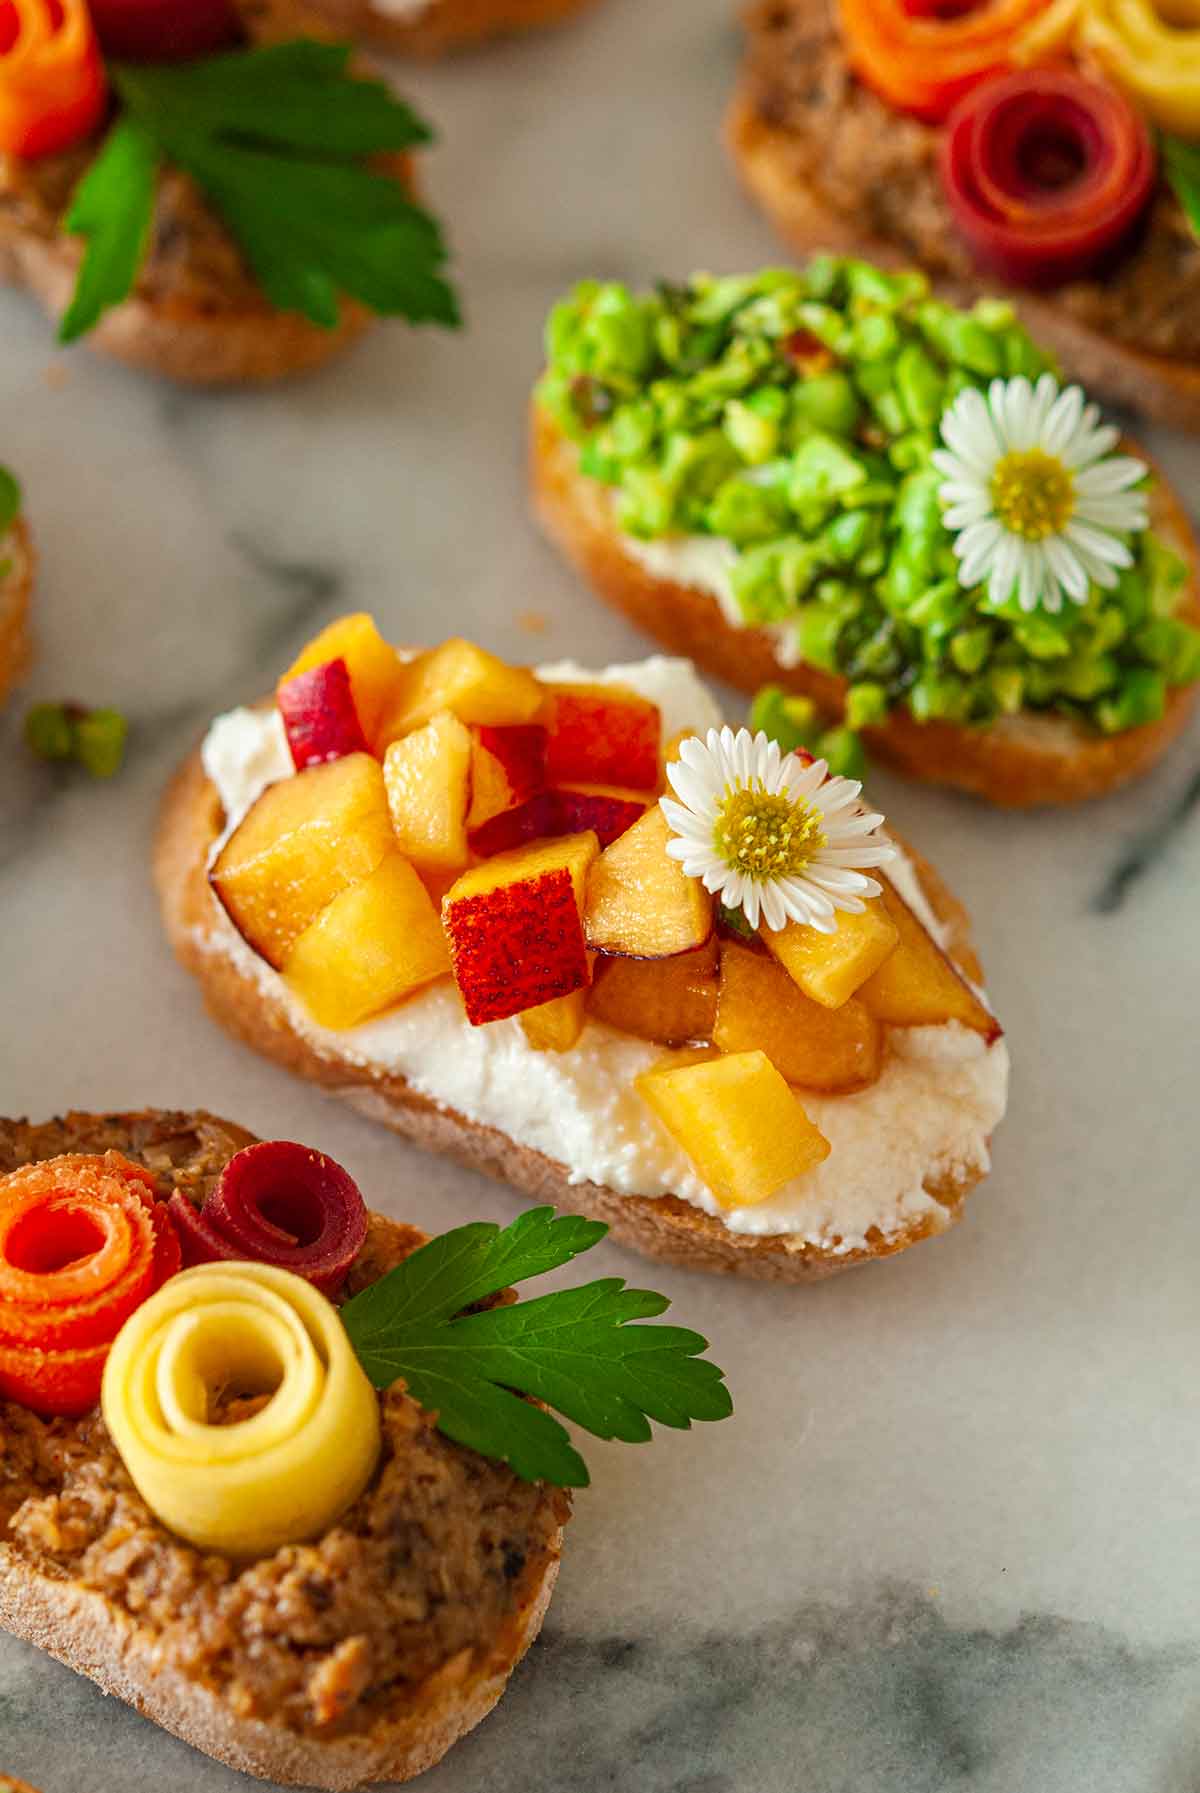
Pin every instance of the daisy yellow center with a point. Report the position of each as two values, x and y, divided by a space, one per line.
1033 494
765 836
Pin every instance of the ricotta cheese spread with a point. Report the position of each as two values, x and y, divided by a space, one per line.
706 562
927 1118
401 10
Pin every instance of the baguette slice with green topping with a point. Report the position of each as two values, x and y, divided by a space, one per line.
742 466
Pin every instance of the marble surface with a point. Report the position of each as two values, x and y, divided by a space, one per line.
949 1539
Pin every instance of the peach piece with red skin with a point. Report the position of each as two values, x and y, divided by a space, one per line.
319 715
374 667
603 734
515 927
508 764
608 809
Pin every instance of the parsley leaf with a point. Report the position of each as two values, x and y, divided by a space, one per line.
113 207
10 500
576 1349
279 139
1181 162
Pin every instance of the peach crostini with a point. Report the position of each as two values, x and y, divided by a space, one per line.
562 926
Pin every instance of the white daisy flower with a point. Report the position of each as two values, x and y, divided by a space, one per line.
769 833
1033 494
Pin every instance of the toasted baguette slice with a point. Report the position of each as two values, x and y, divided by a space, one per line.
662 1227
120 1650
431 27
1152 385
210 340
1017 762
16 590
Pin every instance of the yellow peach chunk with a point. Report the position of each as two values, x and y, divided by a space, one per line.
375 669
760 1008
830 967
555 1026
640 902
373 945
918 985
738 1121
428 780
304 841
464 678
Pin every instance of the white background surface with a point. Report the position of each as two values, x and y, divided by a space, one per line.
949 1538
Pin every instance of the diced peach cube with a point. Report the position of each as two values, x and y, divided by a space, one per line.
669 1000
603 734
533 820
301 844
464 678
609 809
831 967
507 766
319 715
918 985
739 1123
760 1009
427 775
373 945
640 901
373 666
555 1026
515 927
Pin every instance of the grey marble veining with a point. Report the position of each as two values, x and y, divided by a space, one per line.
949 1538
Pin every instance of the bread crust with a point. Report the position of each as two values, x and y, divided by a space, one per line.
83 1629
1018 762
445 24
1154 386
183 340
16 592
661 1227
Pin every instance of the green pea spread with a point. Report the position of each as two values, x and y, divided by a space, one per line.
794 414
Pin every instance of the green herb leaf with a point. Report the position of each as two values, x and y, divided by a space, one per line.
576 1349
1181 162
10 500
280 140
113 207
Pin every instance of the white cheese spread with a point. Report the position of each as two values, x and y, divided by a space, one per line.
928 1117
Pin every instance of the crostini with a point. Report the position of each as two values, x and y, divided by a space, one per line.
255 243
239 1486
1045 146
459 895
829 480
16 585
431 27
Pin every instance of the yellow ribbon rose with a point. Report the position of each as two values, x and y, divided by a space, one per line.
230 1330
1151 52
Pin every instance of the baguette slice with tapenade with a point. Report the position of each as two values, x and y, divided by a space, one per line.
359 1657
803 129
431 27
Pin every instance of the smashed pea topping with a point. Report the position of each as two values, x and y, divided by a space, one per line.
794 414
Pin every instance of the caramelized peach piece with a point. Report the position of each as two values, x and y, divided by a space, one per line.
640 902
427 775
515 927
374 944
759 1008
668 1000
464 678
507 766
301 844
918 986
319 716
831 967
374 667
738 1121
555 1026
603 734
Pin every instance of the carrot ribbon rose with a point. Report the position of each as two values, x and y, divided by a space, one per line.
278 1203
922 61
216 1337
83 1243
52 83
